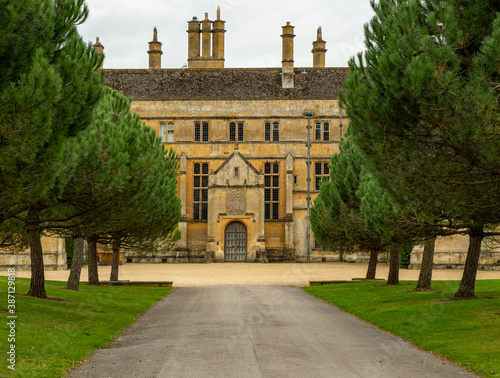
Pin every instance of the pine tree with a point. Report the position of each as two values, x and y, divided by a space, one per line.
48 88
123 190
423 103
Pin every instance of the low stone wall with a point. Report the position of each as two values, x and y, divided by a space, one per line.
54 256
451 252
488 260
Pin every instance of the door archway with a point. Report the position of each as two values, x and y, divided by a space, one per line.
235 242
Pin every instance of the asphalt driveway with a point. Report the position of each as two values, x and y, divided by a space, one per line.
257 331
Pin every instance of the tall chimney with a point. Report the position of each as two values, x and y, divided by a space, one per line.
206 36
155 52
287 74
193 39
218 38
319 51
99 48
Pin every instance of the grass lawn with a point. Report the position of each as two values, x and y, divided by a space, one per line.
466 331
56 334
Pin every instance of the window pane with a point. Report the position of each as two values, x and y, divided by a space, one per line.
276 132
197 132
240 131
276 195
275 211
326 131
204 211
204 168
163 132
170 136
267 181
232 131
196 181
196 197
267 195
267 132
276 168
276 181
204 181
318 179
204 195
267 168
317 168
196 211
326 169
267 211
205 131
197 169
317 133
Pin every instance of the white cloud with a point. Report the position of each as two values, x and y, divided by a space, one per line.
253 29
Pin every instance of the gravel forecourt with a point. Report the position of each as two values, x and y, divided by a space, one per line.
295 274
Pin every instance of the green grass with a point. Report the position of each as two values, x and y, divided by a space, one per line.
56 334
466 331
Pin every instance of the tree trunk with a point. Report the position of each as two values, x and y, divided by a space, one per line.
425 277
372 265
92 260
37 284
76 265
468 282
116 243
393 278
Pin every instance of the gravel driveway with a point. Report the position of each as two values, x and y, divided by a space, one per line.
294 274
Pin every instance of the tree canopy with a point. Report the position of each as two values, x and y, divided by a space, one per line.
423 103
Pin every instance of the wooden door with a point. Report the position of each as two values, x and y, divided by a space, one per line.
235 242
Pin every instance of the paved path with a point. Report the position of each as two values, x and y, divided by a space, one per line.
257 331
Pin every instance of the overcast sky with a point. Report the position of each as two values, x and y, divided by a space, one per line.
253 37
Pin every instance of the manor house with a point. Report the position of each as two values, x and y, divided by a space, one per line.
242 140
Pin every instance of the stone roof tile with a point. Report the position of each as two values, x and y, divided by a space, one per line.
226 84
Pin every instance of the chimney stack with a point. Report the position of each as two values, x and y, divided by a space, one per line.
99 48
206 36
212 43
287 75
319 51
155 52
193 39
218 38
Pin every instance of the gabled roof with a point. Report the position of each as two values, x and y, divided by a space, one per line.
232 156
226 84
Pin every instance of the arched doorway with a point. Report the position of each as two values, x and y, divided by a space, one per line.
235 242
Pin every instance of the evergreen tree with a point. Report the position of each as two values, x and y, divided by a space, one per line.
423 103
124 188
48 88
336 217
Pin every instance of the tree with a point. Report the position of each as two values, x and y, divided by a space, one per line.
423 103
123 190
336 217
48 87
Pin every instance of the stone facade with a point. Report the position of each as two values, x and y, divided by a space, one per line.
241 136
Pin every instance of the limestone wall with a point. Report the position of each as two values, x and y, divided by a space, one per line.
54 256
451 253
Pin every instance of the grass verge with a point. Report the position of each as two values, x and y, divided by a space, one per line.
55 334
466 331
